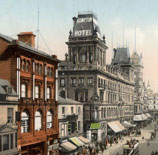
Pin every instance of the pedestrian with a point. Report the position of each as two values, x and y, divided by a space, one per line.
148 142
152 153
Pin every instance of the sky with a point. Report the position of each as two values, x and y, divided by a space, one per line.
114 16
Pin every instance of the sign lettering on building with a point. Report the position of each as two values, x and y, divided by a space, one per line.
80 20
83 33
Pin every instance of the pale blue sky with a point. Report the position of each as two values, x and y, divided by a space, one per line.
56 20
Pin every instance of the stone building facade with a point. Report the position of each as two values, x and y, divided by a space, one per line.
8 122
139 87
70 115
106 90
33 75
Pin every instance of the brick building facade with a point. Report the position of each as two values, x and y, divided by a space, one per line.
33 74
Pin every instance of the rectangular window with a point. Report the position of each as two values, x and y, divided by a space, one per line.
63 110
102 96
23 90
10 115
79 110
16 138
99 83
11 141
81 80
79 126
48 93
73 81
5 142
82 58
62 82
89 81
36 91
72 110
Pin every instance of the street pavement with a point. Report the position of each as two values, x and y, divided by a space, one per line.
144 147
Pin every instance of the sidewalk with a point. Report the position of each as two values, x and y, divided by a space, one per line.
115 148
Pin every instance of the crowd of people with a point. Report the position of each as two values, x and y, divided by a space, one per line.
154 153
131 143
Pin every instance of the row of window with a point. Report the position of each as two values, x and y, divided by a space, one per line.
8 141
72 110
24 91
71 127
25 121
74 81
83 57
39 68
113 86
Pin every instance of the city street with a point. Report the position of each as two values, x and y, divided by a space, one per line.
144 148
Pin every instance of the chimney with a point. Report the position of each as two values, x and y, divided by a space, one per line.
54 56
27 38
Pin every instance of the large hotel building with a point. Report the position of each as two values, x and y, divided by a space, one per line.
106 91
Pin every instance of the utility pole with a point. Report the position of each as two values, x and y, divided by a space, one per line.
38 30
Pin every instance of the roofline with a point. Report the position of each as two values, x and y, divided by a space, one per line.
34 52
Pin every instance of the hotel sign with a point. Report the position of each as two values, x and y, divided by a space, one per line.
83 33
84 27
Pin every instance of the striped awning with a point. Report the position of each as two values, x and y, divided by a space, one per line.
68 146
116 126
76 141
83 139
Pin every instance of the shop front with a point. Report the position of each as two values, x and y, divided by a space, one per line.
53 147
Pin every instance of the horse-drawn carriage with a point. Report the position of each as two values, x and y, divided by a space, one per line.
131 149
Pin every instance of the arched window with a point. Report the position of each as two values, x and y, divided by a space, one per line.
37 91
49 119
27 66
23 90
38 120
23 65
25 120
48 92
82 58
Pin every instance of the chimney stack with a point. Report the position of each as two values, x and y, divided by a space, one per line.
27 38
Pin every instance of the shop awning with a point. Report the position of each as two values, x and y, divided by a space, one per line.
68 146
83 139
76 141
137 118
148 115
128 124
144 117
141 117
116 126
95 126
